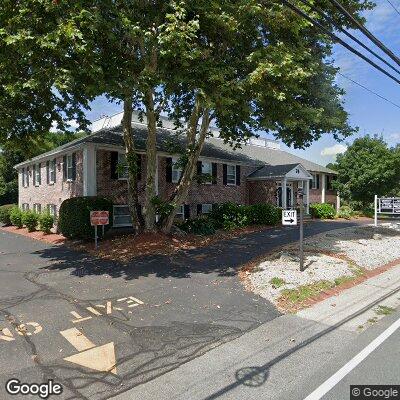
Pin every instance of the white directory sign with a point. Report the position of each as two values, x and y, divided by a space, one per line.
289 217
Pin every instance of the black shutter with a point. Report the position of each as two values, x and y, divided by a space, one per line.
199 167
186 212
65 168
55 170
34 175
40 173
23 177
114 164
27 176
225 173
139 167
73 166
317 176
238 175
48 171
214 173
199 209
168 169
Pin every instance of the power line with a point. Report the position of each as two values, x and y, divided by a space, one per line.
393 6
348 34
338 40
366 32
368 90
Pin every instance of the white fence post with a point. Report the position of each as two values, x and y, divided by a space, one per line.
376 210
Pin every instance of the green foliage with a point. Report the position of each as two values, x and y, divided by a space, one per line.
345 212
368 167
277 282
322 211
74 216
5 213
46 222
30 219
203 226
16 217
229 216
263 214
162 207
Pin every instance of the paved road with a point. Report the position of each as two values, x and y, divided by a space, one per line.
63 314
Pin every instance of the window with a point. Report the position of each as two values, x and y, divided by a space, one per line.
25 206
52 209
121 216
176 171
70 168
122 168
206 208
300 184
36 175
231 174
37 208
180 214
206 169
315 181
25 177
329 180
52 171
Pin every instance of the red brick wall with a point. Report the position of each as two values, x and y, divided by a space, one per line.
262 192
51 193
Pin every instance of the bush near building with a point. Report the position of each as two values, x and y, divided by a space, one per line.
16 217
5 213
30 219
322 211
46 222
74 216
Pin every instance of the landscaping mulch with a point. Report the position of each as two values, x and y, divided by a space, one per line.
53 238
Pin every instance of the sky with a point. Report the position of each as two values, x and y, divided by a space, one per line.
369 113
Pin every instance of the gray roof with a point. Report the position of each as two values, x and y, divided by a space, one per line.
167 140
272 171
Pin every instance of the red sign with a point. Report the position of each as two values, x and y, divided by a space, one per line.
99 217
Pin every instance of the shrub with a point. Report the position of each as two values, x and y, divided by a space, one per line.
46 222
74 216
345 212
263 214
322 211
5 213
200 226
229 216
16 217
30 219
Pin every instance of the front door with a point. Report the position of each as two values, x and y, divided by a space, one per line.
289 194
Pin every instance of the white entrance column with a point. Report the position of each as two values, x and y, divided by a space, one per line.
284 193
307 196
89 171
323 185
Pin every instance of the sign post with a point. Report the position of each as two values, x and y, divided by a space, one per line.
301 195
376 210
97 218
386 205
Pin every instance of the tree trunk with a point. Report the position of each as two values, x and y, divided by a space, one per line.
151 156
131 159
181 191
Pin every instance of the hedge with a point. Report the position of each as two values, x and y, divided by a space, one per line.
74 216
322 211
46 222
16 217
5 213
30 219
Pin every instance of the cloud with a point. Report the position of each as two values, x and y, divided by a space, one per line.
333 150
73 125
395 136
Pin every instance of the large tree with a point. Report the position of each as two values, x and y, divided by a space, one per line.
241 65
367 168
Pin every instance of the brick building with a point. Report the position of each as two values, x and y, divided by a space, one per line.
258 172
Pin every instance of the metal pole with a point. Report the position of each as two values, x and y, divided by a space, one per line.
95 237
376 210
301 234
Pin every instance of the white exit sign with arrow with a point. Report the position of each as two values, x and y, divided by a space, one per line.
289 217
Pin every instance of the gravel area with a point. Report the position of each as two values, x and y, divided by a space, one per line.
319 267
367 247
